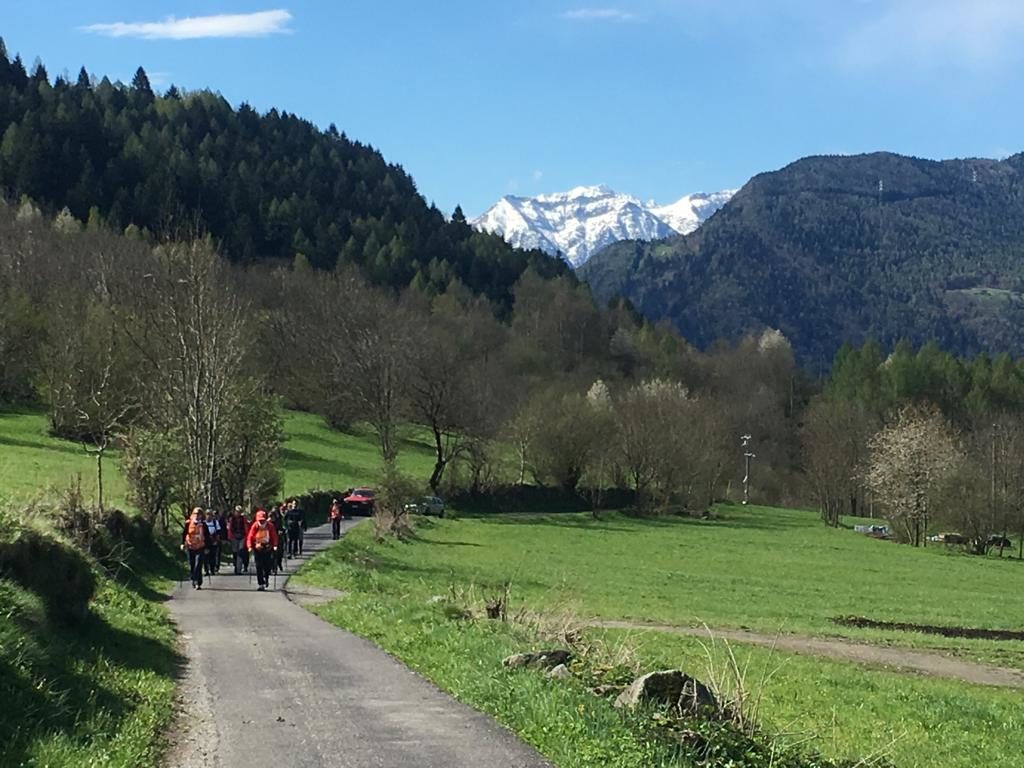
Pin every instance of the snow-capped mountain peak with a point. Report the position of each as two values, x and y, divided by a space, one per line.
690 211
580 222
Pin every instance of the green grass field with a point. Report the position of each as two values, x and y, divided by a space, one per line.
767 569
34 464
317 457
755 567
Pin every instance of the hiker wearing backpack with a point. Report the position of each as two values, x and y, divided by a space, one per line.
195 540
262 543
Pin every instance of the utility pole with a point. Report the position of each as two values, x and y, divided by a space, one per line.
992 490
747 456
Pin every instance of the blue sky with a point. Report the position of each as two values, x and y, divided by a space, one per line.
656 98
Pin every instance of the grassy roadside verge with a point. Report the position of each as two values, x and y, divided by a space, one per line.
845 711
98 691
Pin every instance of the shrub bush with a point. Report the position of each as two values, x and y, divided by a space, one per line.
317 504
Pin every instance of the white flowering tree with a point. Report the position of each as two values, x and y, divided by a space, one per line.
910 458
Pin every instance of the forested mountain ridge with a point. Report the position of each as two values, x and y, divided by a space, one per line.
839 248
267 187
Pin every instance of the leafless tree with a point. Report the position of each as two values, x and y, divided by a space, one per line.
835 448
88 377
353 345
453 381
192 335
564 440
645 416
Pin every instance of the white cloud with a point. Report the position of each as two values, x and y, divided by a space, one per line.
928 34
259 24
598 14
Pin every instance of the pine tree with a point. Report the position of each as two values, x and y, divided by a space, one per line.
140 83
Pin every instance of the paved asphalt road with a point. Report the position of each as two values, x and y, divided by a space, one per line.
269 684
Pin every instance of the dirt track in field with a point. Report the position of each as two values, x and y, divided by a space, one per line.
930 663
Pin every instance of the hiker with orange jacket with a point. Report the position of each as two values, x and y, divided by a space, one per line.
336 517
195 540
262 543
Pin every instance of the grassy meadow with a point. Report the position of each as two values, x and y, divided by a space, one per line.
315 456
761 568
33 464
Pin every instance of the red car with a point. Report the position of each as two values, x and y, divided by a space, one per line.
358 502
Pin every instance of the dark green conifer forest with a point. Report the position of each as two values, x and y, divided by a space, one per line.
267 187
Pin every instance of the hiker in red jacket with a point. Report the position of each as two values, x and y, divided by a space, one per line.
196 540
262 543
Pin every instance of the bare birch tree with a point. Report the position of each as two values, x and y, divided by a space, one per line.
191 332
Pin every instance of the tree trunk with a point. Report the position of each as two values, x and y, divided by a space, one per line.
99 479
439 461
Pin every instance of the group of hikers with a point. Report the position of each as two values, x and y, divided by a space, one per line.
264 541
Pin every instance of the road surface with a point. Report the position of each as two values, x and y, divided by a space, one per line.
269 684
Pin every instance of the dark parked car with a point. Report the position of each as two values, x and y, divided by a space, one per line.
358 502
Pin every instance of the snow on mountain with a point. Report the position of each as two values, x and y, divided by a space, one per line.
580 222
690 211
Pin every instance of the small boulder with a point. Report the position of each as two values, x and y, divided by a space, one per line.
561 672
668 688
537 660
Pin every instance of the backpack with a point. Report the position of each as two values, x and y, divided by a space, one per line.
262 537
194 538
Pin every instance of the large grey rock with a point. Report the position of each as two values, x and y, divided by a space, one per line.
668 688
537 660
